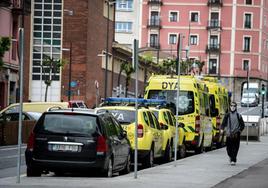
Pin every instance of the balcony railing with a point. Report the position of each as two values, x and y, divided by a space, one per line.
155 2
154 23
154 45
214 24
213 48
5 3
215 2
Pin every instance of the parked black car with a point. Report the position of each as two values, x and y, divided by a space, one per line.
75 139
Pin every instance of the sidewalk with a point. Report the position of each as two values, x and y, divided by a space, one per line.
202 171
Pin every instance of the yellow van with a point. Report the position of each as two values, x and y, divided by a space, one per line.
193 109
150 137
34 106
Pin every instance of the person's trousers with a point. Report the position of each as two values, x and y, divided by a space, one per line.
232 146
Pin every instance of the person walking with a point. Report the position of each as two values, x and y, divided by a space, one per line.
233 124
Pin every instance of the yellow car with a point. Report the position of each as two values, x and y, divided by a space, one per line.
150 136
167 123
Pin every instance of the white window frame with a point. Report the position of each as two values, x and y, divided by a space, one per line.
126 30
197 39
126 3
178 15
249 63
250 45
190 16
251 20
169 34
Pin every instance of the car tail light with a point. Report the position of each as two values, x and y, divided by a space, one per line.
140 131
218 121
197 124
31 142
101 144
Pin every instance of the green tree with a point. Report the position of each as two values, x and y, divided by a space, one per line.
147 58
128 70
4 46
50 67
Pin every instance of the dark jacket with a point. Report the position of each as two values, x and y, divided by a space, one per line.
226 121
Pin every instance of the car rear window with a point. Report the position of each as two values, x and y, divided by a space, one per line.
123 116
70 124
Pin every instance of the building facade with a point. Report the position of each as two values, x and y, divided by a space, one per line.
228 35
10 12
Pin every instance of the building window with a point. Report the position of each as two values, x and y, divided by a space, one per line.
266 44
194 17
193 39
172 39
245 64
248 2
47 28
124 5
173 16
247 22
154 41
125 27
212 66
246 47
265 20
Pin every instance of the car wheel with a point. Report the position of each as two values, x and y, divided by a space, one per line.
126 170
32 172
109 171
168 153
182 151
149 159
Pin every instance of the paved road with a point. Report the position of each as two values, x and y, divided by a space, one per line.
202 171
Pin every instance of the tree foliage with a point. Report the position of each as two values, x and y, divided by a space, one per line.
128 70
4 46
50 67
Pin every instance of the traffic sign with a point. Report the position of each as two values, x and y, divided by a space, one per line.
73 83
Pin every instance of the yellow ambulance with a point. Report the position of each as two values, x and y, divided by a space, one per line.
193 108
218 104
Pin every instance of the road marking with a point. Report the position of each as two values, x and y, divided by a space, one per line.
13 148
11 156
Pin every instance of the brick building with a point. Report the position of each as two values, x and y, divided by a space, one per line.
228 35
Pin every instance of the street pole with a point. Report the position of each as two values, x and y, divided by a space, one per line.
70 73
135 63
247 101
107 49
21 58
262 104
179 46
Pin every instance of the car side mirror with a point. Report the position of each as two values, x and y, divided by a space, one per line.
181 125
124 134
164 127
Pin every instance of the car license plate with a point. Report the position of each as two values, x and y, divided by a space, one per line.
62 147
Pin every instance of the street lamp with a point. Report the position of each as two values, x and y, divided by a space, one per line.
70 69
69 13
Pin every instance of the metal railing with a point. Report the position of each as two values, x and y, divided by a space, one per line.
215 2
155 2
156 23
214 24
214 48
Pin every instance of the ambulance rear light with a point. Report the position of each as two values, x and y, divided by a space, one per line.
140 130
197 124
218 121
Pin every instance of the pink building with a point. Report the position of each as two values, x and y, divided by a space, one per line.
228 35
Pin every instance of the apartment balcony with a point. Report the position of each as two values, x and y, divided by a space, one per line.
213 48
155 2
17 7
214 24
154 23
215 3
153 45
5 3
